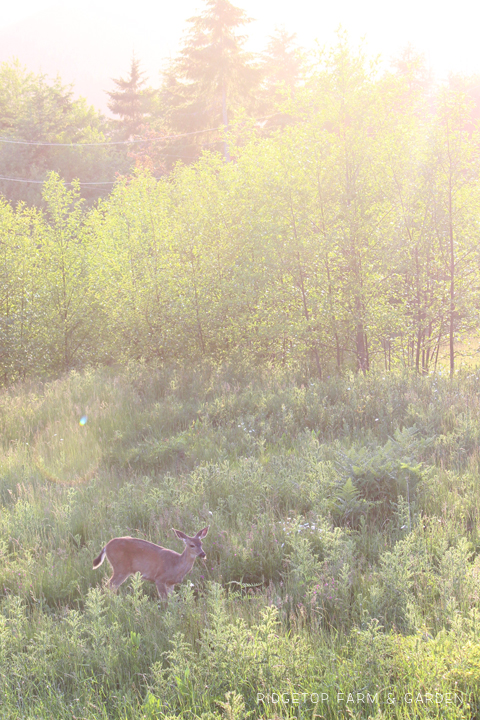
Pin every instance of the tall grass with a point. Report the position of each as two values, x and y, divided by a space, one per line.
342 577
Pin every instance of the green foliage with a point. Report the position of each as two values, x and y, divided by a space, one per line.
345 241
343 507
49 310
34 109
312 582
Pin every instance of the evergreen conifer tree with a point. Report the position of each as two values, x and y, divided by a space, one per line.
131 101
213 75
281 68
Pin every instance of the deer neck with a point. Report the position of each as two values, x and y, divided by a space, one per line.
186 562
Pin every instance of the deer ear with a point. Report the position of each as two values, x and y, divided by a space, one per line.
203 532
180 535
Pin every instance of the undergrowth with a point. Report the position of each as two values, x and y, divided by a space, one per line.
342 572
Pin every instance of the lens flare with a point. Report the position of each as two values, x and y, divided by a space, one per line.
83 420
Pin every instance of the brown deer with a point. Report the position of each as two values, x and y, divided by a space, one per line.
157 564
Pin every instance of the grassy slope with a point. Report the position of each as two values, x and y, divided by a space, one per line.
342 554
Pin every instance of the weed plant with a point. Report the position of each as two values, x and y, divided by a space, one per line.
343 567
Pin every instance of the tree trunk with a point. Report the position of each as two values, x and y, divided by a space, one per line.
361 347
226 153
452 285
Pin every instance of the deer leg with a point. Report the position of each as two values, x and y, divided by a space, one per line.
117 579
162 589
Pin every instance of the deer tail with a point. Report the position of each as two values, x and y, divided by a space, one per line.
98 560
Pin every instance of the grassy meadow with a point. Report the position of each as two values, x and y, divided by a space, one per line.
343 571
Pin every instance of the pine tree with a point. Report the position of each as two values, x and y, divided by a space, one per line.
212 75
281 67
131 101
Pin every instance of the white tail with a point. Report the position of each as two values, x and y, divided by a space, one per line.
157 564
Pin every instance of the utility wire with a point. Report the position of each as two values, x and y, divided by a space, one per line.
123 142
99 182
108 182
41 182
116 142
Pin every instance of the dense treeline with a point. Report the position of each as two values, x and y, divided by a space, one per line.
43 128
211 82
346 239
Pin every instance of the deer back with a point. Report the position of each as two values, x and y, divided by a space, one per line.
129 555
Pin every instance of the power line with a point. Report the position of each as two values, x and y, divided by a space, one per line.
81 182
123 142
108 182
41 182
116 142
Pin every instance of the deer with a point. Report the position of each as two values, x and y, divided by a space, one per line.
155 563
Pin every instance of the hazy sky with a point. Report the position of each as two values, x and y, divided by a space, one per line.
446 33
